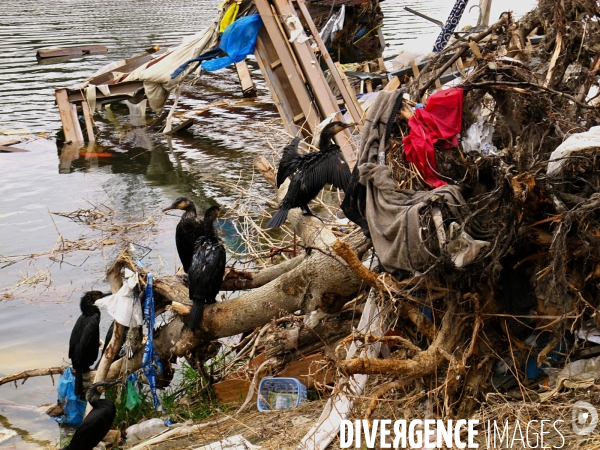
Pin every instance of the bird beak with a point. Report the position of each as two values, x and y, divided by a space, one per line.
169 208
348 125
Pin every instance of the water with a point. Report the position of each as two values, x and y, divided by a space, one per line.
142 173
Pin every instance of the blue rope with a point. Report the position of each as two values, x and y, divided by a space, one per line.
151 361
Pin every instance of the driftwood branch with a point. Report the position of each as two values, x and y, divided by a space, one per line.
32 373
238 280
423 363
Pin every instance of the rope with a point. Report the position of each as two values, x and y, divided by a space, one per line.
151 361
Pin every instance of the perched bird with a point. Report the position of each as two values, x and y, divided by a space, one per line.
189 229
313 172
289 161
207 268
85 337
98 422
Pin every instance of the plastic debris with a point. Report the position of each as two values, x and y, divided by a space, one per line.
296 30
463 249
478 138
575 143
74 407
144 430
237 442
122 306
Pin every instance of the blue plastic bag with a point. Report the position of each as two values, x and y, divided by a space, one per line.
238 41
74 407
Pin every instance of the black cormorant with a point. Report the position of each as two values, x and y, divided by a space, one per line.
313 171
98 422
289 161
85 337
207 268
188 230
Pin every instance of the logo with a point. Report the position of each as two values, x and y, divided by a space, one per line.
585 418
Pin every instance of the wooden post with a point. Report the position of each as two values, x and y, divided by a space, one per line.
89 122
485 6
69 120
349 88
248 87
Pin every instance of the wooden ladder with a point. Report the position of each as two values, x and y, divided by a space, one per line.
297 83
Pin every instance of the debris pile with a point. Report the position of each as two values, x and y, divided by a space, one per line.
494 248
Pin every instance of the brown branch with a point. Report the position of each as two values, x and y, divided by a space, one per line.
239 280
423 363
379 393
32 373
524 84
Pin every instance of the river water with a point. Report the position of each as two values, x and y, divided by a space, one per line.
142 173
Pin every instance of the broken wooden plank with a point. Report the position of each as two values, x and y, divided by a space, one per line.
350 89
71 51
394 83
325 100
89 122
70 126
182 126
285 81
7 149
118 91
349 95
248 87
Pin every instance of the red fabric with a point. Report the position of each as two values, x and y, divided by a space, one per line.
441 119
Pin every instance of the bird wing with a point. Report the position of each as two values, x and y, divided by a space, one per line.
289 161
326 168
89 343
207 269
186 234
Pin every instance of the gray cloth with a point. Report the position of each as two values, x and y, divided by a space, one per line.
398 218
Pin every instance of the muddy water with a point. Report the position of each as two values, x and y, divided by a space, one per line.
141 173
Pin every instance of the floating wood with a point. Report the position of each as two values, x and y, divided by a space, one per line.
182 126
248 87
71 51
71 127
7 149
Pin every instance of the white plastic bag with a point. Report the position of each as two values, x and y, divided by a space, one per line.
478 138
122 306
576 142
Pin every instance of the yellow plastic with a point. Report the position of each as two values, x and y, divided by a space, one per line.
229 16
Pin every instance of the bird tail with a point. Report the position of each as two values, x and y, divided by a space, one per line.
79 382
278 218
196 314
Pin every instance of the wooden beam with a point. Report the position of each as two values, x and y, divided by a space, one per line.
118 91
71 51
248 87
324 98
349 95
89 122
352 92
70 127
285 81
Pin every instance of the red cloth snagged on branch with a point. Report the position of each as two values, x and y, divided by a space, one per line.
440 120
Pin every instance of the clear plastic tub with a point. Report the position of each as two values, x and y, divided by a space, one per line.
280 393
